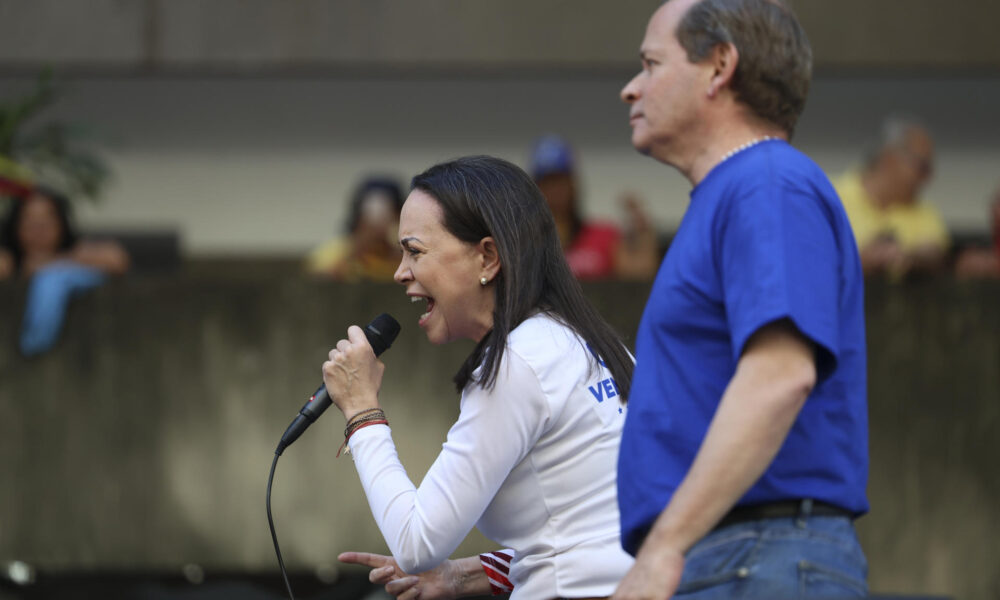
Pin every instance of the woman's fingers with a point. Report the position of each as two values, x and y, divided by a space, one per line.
365 558
353 375
404 587
384 571
356 340
382 575
357 336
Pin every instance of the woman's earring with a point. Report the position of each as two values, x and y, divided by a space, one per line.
483 281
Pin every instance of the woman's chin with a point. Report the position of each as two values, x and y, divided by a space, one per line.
438 335
433 335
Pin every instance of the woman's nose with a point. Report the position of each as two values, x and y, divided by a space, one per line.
402 274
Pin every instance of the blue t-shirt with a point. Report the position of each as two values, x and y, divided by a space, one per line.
765 238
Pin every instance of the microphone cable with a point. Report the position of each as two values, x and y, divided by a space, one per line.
270 523
380 333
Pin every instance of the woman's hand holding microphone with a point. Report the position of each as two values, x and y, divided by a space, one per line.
353 375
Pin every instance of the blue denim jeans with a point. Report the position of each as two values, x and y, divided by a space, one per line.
777 559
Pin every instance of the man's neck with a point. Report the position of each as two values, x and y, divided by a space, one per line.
719 144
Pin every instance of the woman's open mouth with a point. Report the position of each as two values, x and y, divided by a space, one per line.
430 307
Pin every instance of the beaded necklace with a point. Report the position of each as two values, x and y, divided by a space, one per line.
745 146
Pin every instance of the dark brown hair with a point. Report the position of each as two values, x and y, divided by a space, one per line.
376 183
775 65
482 196
11 222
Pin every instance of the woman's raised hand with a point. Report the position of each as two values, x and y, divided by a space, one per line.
353 375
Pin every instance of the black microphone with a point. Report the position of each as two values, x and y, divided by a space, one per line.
381 332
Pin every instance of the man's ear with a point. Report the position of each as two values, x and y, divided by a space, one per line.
723 59
490 256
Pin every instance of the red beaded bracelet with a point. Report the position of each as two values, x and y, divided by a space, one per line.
355 429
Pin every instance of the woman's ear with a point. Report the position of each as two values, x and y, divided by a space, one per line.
490 257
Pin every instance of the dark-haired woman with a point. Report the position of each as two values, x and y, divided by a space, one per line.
38 231
532 458
368 250
37 242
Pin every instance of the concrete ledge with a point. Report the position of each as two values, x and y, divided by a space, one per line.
144 439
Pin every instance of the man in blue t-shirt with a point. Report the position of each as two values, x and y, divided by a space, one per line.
745 453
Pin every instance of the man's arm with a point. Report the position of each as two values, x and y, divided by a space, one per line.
773 378
107 256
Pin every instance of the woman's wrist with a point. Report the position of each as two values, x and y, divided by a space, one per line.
353 412
360 420
468 578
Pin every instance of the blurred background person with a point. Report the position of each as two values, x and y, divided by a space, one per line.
38 231
983 262
369 250
594 250
38 242
896 230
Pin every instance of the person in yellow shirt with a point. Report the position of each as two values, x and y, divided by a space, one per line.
369 251
895 230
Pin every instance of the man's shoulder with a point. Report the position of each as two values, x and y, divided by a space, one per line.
776 167
784 157
775 161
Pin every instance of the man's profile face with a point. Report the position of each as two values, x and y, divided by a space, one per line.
666 94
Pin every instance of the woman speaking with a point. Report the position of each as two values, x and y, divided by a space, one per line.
531 459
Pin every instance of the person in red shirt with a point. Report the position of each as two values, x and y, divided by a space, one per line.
594 250
979 262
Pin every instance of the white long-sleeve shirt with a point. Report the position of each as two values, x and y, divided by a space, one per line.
531 463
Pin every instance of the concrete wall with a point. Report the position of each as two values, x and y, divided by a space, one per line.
144 439
272 34
265 164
